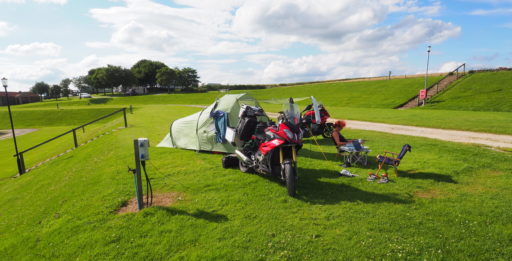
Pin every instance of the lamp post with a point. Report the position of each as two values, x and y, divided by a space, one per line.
426 74
4 83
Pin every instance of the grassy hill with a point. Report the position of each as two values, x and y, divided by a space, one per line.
372 94
439 208
367 94
45 117
486 91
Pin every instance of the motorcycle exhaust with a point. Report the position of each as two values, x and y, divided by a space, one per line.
241 156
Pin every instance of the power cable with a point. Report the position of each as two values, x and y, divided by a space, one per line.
149 187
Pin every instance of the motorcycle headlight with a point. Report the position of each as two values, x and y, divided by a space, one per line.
289 134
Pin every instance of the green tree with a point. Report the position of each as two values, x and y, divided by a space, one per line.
64 85
187 77
118 76
97 78
55 91
166 76
145 71
80 83
41 88
110 77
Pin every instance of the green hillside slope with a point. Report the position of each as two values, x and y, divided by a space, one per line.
367 94
487 91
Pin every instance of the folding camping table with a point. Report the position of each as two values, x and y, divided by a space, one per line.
354 153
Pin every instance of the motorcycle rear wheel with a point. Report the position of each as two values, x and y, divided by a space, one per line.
244 168
328 131
290 175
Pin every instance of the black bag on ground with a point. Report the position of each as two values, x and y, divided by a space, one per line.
230 161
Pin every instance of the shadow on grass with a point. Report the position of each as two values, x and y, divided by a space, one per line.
312 190
200 214
427 175
329 153
99 100
332 156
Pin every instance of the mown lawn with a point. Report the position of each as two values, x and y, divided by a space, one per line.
451 202
486 91
48 124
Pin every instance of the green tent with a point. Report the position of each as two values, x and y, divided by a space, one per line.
197 131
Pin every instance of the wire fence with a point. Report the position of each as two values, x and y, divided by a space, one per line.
81 135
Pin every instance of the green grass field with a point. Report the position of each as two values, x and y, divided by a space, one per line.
451 202
346 100
487 91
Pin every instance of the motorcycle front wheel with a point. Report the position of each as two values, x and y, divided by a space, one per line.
290 175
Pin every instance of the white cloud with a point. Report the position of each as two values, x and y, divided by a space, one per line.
497 11
60 2
147 26
281 22
449 66
350 38
5 28
23 76
413 7
37 48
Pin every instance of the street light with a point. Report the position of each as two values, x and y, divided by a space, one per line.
4 83
426 74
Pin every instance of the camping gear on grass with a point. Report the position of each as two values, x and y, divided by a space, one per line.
353 153
347 173
387 160
198 131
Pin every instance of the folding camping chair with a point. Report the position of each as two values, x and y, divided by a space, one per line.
354 153
387 160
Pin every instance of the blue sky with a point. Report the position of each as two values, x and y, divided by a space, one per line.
242 41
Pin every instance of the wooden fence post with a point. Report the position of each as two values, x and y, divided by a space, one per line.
74 138
125 121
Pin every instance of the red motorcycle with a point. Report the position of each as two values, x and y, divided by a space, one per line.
311 127
269 148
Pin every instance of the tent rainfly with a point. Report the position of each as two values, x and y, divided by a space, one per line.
197 131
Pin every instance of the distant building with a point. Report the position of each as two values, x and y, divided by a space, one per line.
16 98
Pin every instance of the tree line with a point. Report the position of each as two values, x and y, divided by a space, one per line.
143 73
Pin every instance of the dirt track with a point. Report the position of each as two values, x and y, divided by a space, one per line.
487 139
6 134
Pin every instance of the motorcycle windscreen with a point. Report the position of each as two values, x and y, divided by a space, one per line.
292 112
316 109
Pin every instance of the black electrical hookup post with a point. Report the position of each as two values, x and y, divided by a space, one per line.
426 74
18 160
137 176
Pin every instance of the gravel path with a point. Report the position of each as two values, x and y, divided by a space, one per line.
487 139
6 134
